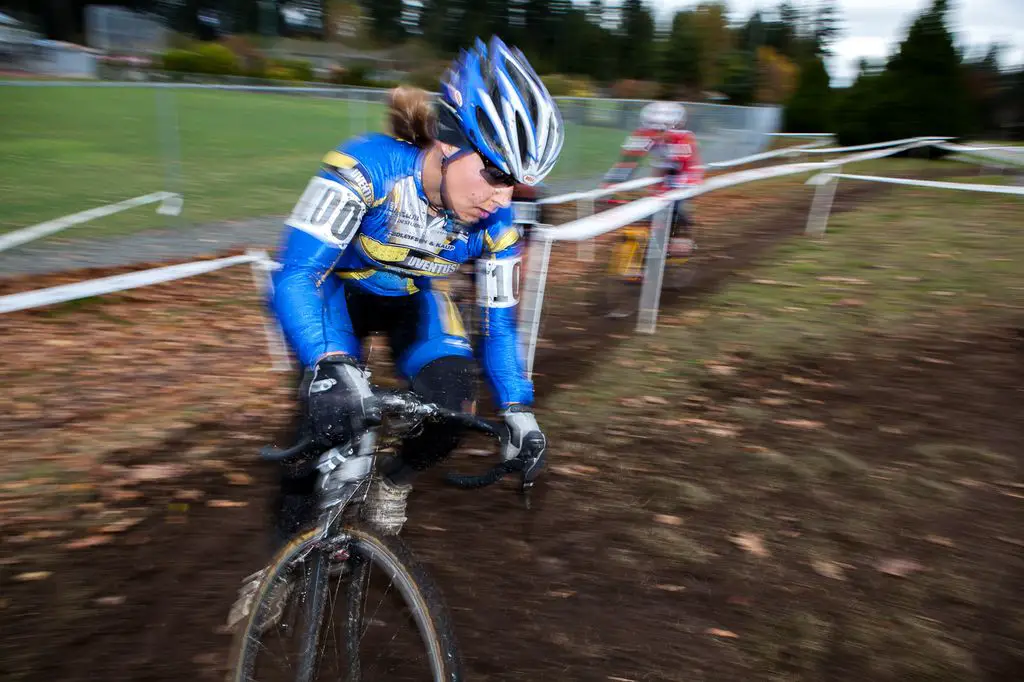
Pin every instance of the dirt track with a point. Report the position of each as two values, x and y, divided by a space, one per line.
571 590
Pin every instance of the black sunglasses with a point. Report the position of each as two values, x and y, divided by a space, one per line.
494 175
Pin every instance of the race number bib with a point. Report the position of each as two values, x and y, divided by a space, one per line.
328 210
497 282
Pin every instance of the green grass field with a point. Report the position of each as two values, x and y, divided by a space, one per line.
884 266
242 154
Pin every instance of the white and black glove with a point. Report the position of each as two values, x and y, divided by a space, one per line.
339 401
524 441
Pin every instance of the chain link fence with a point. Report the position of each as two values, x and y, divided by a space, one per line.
115 30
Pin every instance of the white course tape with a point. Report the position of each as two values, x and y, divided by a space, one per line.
800 134
937 184
998 155
107 285
588 228
971 148
810 148
27 234
790 169
786 151
875 145
627 186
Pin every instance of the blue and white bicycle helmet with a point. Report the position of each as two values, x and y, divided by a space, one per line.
492 99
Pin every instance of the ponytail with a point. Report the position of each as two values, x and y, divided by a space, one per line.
411 115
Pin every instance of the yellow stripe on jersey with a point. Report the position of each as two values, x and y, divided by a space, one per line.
338 160
383 252
452 321
356 274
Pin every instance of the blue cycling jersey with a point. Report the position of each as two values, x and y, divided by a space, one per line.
363 221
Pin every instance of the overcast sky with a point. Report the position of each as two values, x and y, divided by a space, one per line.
872 28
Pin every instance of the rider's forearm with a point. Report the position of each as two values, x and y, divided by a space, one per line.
499 355
299 300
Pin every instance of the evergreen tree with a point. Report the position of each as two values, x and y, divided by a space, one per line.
809 110
826 27
681 58
386 20
637 52
924 81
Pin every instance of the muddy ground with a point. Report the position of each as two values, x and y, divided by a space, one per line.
629 566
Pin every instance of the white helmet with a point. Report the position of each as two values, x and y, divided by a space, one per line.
662 116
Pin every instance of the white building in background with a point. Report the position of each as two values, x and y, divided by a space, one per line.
64 60
26 50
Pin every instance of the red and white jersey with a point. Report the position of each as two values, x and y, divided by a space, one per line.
672 153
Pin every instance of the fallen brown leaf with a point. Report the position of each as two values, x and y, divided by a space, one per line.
718 632
670 588
118 495
120 526
843 280
156 472
801 423
227 504
829 569
750 542
574 470
89 541
560 594
33 576
655 400
239 478
723 431
803 381
668 519
939 540
115 600
720 369
900 568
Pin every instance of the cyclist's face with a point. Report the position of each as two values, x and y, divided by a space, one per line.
476 189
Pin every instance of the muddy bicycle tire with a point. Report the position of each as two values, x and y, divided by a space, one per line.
388 553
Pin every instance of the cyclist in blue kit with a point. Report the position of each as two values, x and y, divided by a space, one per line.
382 223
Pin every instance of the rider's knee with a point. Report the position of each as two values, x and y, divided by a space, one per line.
449 381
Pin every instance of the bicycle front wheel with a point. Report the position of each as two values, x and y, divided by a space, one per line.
358 608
